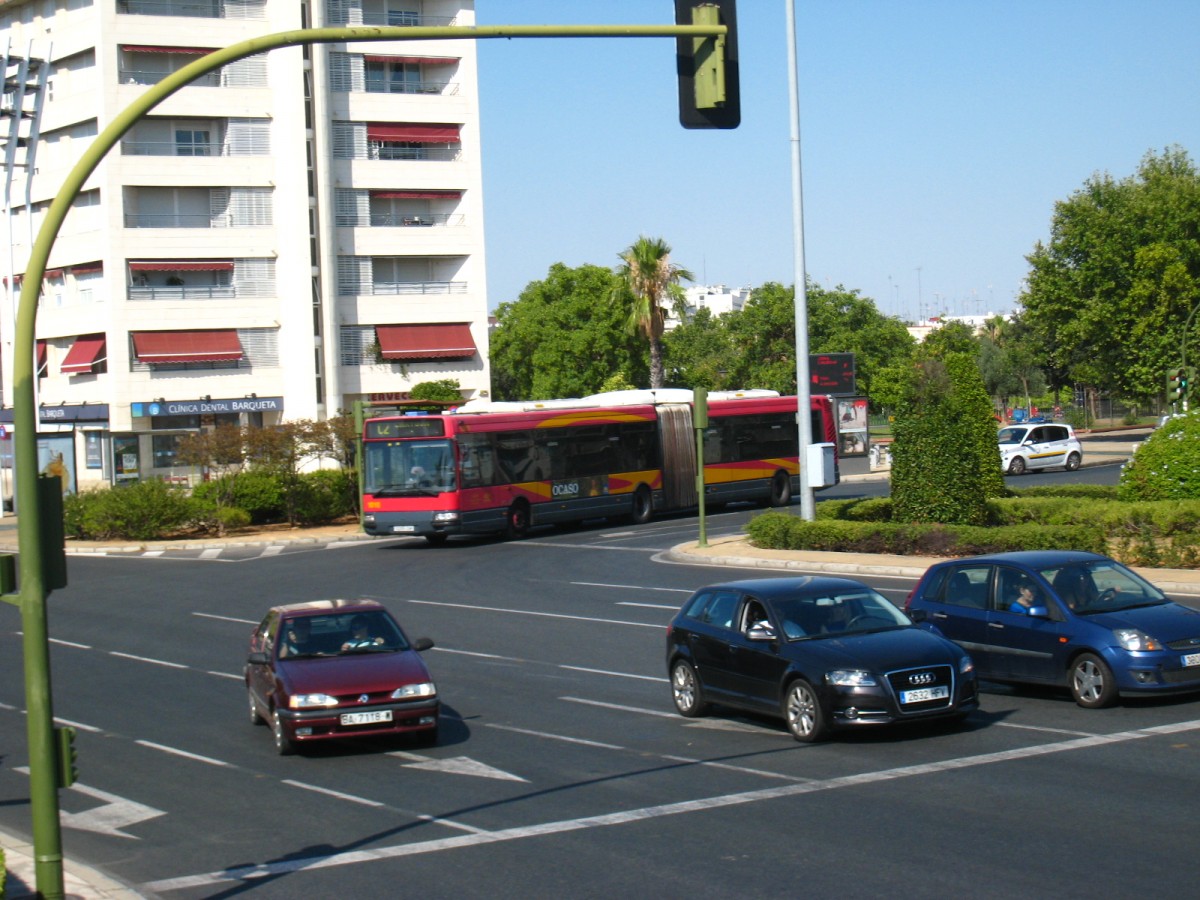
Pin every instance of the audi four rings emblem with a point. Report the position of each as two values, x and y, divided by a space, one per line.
921 678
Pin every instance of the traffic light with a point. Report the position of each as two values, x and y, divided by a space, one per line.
68 771
1176 385
1189 378
708 66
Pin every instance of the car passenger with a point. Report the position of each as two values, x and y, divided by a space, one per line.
297 633
1025 600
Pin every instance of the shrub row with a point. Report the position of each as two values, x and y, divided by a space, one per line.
152 510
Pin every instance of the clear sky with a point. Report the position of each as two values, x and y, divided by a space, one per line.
936 136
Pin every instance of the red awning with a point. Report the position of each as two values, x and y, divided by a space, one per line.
53 273
41 360
84 353
417 134
186 346
415 60
416 195
87 268
182 265
189 51
441 341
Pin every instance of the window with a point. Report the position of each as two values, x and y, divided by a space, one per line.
165 447
190 142
968 586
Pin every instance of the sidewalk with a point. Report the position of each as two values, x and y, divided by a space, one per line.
78 881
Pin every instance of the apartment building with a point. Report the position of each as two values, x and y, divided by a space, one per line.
296 231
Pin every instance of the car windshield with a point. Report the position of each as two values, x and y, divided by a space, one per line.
837 614
1012 435
337 634
1101 586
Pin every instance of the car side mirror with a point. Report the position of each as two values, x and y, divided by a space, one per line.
422 644
761 631
258 658
1039 612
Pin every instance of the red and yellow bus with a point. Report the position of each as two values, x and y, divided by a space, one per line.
506 467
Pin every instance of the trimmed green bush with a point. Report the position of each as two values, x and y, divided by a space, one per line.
256 491
1166 465
326 495
142 511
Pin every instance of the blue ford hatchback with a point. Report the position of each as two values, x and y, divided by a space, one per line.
1065 618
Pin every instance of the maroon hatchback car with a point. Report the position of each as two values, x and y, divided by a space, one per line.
338 669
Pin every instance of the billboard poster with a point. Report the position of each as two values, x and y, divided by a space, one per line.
852 426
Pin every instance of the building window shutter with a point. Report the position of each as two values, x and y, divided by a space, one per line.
248 137
350 140
354 275
353 208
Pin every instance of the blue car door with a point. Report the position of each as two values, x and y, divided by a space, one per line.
1024 645
959 610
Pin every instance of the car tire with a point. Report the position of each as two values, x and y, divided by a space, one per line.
1073 461
781 489
284 745
643 506
802 712
255 718
687 691
1017 466
1091 681
516 521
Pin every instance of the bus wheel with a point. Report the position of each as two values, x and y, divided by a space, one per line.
781 489
516 521
643 506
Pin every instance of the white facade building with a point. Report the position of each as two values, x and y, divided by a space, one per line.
294 232
717 298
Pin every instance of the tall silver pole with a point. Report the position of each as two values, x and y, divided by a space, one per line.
803 392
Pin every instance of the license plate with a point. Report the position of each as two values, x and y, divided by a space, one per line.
404 528
920 695
367 718
1192 659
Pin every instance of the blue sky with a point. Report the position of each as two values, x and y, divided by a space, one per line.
936 136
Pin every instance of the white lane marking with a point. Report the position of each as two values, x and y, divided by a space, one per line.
63 643
11 707
327 792
211 553
230 675
153 552
115 814
481 655
272 550
556 737
647 605
1043 728
619 708
226 618
632 587
91 729
528 612
450 823
174 751
587 547
147 659
724 801
455 765
741 769
615 674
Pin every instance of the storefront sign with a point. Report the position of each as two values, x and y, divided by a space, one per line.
206 406
84 412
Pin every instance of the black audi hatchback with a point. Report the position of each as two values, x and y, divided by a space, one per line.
819 652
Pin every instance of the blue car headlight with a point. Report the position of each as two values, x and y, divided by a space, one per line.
1133 639
850 678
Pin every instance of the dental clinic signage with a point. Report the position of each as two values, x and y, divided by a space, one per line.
53 415
206 407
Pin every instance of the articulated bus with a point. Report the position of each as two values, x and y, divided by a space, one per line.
506 467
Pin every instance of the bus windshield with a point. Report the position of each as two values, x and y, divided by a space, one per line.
409 468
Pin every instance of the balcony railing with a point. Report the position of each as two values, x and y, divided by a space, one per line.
419 287
197 9
377 150
182 292
426 220
177 220
446 89
403 19
141 76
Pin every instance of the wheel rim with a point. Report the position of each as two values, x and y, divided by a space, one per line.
1089 681
684 688
801 710
1018 466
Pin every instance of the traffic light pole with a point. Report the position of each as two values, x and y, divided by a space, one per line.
31 536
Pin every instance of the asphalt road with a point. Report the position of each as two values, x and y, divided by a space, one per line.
563 770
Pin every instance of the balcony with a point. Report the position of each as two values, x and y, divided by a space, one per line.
195 9
412 87
418 287
413 153
177 220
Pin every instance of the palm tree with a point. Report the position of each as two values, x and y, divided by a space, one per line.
648 281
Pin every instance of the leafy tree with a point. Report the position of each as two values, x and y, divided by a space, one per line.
221 451
1009 363
562 338
700 353
951 337
1108 294
649 282
945 459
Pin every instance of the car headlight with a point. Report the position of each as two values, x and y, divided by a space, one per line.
424 689
850 678
966 666
311 701
1133 639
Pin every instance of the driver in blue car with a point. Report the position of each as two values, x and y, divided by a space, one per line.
1026 599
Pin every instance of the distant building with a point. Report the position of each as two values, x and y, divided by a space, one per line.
291 233
923 329
716 298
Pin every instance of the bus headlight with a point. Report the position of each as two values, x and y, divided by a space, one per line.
445 517
369 519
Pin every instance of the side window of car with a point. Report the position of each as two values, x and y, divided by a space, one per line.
720 609
968 587
267 630
752 614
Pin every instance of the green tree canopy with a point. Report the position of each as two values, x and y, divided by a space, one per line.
1109 293
562 338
